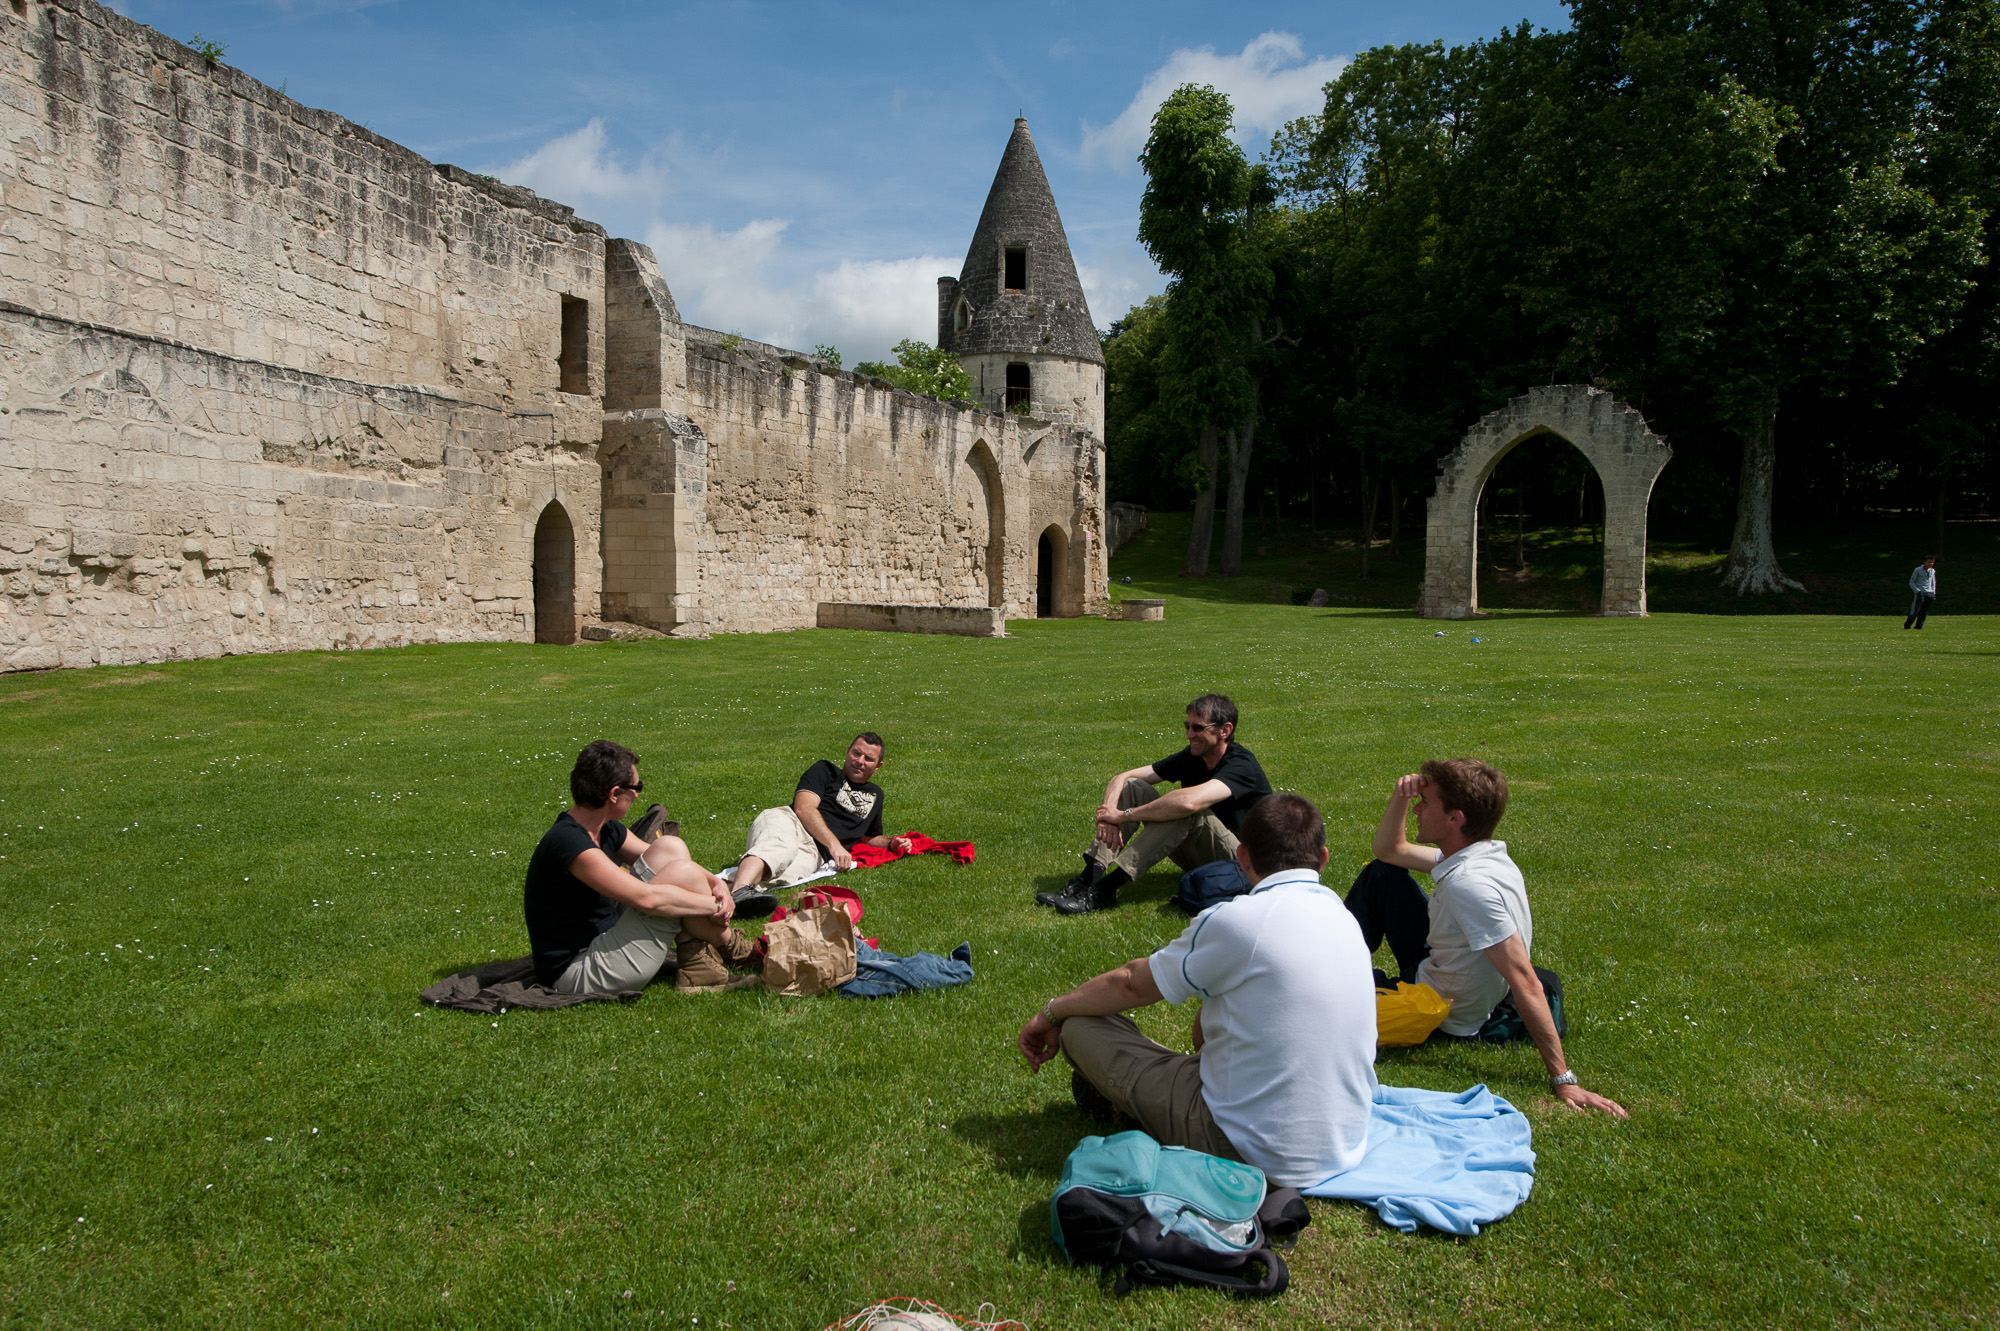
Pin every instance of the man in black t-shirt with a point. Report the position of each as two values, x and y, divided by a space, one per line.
605 909
833 810
1195 825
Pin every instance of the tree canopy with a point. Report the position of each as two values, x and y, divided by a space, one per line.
1767 226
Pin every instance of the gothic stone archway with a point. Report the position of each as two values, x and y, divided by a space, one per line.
555 577
989 556
1628 458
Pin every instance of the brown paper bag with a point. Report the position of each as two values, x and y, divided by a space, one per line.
809 952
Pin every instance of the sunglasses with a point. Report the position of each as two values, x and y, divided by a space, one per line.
637 787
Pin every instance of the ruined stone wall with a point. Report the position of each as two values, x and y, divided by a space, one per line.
835 487
267 380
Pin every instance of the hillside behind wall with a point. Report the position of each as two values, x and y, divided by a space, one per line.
267 380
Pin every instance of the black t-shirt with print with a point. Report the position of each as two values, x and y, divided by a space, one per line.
853 813
565 913
1239 770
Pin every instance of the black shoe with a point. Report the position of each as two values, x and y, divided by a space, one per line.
1081 898
1092 875
1090 1101
754 903
652 825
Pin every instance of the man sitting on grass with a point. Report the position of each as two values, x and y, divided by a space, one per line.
1198 824
1470 939
833 810
1284 1069
605 909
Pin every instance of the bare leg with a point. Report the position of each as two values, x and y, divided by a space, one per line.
665 851
750 872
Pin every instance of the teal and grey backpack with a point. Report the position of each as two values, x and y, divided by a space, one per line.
1170 1216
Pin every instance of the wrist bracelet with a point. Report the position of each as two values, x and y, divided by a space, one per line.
1049 1013
1563 1079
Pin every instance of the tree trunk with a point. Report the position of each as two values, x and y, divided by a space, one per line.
1196 563
1521 528
1240 441
1753 559
1395 518
1938 549
1370 492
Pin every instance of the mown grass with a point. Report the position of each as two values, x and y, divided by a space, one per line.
1758 849
1848 568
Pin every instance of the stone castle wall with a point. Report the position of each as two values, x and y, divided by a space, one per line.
271 382
837 487
267 380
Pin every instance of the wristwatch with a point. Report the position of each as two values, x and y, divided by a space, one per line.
1049 1015
1563 1079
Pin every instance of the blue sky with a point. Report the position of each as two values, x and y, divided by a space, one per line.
806 172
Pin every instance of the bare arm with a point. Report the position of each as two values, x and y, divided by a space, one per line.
682 888
1392 842
806 805
1511 960
1130 986
1108 825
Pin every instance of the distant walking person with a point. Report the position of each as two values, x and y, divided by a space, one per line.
1923 591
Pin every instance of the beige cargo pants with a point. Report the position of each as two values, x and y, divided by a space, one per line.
1189 842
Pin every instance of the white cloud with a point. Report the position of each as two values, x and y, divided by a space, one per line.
1118 279
731 280
576 166
1269 82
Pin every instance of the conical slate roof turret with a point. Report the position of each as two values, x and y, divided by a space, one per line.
1018 292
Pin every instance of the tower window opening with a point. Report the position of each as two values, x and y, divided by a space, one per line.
1017 270
961 316
574 361
1017 386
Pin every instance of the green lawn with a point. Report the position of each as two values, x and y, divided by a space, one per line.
1758 849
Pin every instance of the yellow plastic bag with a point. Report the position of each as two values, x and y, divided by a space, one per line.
1408 1015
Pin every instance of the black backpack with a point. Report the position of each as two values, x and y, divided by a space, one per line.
1206 884
1172 1216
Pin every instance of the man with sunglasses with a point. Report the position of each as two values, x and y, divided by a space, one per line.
1198 824
606 909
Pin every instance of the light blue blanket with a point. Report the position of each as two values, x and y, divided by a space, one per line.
1453 1162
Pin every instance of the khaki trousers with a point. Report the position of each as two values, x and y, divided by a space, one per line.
778 838
1147 1080
1190 842
628 955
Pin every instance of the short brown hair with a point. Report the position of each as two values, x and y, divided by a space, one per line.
870 737
1474 788
601 766
1283 831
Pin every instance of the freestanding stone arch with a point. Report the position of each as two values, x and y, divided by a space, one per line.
1612 436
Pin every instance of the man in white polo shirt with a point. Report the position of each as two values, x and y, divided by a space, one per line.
1284 1072
1470 939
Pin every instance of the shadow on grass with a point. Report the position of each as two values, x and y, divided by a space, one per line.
1029 1143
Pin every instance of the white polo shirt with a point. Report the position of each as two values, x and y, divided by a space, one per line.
1288 1012
1481 900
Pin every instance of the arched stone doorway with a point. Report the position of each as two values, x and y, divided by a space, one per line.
555 577
991 560
1628 458
1052 573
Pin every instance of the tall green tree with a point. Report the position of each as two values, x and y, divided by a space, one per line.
1198 219
1751 222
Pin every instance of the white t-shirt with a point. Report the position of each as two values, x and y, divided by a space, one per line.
1288 1009
1480 900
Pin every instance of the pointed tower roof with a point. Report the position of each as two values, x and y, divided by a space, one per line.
1046 317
